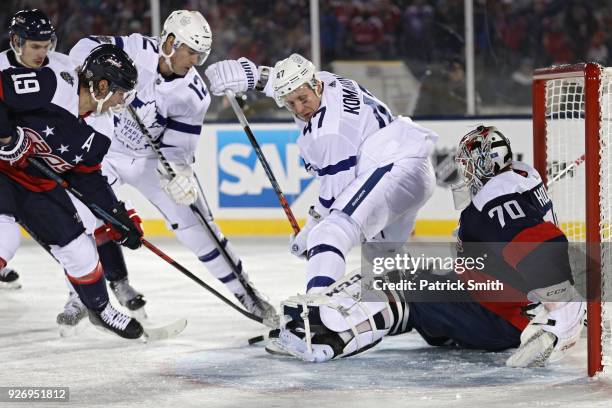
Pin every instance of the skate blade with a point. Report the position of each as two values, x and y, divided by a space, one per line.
272 347
10 285
140 315
70 331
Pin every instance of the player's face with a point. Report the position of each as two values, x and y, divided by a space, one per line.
33 53
184 58
115 101
303 102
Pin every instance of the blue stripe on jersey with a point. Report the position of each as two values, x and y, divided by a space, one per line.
318 249
319 282
326 203
342 165
119 42
183 127
365 189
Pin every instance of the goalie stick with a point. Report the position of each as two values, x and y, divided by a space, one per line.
105 216
201 218
235 101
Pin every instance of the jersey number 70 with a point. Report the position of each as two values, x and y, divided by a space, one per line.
512 208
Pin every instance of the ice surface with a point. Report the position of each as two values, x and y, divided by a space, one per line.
211 365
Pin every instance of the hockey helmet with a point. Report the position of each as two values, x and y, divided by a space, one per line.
482 154
109 62
189 28
291 73
31 25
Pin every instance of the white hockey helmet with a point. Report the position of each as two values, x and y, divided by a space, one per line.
189 28
483 153
291 73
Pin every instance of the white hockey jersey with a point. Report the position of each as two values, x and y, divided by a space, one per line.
172 108
351 133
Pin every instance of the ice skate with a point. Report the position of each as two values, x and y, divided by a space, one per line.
110 319
9 279
129 297
259 306
68 320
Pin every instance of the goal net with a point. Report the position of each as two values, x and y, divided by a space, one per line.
572 138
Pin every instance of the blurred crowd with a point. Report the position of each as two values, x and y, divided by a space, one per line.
512 36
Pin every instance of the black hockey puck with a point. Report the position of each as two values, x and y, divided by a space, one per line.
256 339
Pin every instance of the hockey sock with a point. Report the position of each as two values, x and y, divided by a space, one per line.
328 243
113 262
198 240
217 265
91 288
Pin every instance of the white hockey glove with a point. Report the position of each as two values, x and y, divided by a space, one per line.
236 75
550 335
298 243
182 188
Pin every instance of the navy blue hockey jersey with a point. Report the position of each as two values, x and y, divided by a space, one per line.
45 103
510 219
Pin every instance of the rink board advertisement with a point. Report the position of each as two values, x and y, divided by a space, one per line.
243 201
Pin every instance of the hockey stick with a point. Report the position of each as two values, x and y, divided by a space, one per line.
234 101
194 208
103 215
566 170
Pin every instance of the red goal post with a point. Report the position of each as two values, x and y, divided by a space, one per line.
571 135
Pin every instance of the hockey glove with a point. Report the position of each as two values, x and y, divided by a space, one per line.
18 149
236 75
550 335
131 237
182 187
298 242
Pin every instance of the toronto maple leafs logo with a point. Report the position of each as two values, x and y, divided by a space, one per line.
128 130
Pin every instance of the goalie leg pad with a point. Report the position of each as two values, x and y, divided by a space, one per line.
321 326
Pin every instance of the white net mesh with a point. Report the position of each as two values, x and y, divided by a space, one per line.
565 161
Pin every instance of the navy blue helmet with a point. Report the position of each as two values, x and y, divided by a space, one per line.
32 25
107 61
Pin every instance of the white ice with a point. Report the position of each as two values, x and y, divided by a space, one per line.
211 365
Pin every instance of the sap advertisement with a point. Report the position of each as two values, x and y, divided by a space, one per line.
242 180
236 181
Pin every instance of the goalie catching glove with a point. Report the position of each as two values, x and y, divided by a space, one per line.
182 187
18 149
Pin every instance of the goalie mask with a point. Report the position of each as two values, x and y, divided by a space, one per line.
189 28
483 153
291 73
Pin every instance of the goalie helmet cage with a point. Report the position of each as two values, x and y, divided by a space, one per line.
571 138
